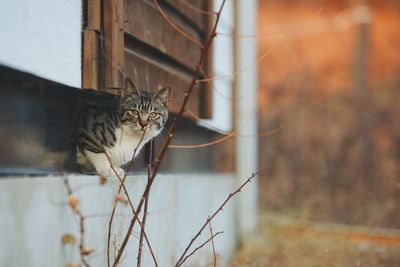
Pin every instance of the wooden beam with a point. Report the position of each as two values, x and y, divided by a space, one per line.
144 22
93 15
206 100
114 60
90 78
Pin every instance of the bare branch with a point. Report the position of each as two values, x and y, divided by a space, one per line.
171 131
121 186
239 189
236 35
261 58
218 92
212 243
199 247
143 225
217 141
186 3
173 25
109 60
226 137
74 204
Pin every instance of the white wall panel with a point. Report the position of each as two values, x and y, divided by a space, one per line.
34 216
42 37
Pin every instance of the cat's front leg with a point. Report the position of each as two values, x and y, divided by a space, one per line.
103 165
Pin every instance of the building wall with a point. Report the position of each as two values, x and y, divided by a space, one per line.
43 37
34 217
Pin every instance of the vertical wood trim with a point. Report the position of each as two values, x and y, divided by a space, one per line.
93 15
114 60
235 66
90 79
206 99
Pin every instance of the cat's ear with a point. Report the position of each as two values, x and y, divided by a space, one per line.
130 87
164 94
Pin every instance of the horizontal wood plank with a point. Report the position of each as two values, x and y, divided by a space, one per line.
144 22
150 75
188 9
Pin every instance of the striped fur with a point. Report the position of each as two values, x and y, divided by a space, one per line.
115 129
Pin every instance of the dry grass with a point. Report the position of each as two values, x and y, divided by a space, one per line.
283 241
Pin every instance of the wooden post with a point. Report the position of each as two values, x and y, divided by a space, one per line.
206 98
114 60
90 78
93 15
362 17
90 59
246 153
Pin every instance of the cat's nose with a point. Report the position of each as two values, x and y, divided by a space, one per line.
143 123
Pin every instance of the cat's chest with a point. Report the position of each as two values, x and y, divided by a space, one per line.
125 146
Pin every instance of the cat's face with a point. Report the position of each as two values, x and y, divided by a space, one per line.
141 111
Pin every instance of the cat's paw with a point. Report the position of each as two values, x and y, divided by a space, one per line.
110 172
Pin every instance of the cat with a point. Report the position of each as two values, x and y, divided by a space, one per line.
113 132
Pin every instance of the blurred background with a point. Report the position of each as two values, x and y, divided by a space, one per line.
333 80
331 77
328 92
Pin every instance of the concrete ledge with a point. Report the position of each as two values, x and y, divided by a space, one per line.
34 216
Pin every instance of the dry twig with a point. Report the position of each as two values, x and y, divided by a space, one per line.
143 225
196 249
74 204
171 131
175 27
212 243
239 189
234 74
198 10
122 186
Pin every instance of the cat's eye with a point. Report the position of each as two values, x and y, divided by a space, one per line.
152 115
134 113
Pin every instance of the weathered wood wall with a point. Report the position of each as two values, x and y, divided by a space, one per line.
139 43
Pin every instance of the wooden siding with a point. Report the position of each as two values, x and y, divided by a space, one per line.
138 43
90 61
114 60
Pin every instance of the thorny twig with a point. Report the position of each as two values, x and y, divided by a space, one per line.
196 9
122 185
148 244
239 189
173 25
212 243
234 74
73 202
196 249
214 88
152 173
223 138
170 133
143 225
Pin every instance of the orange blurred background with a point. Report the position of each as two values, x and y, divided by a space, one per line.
332 78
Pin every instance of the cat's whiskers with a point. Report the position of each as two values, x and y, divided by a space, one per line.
122 134
116 130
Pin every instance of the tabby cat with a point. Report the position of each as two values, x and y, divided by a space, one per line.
115 130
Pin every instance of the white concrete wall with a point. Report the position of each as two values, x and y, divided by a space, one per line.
222 65
33 218
246 116
42 37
